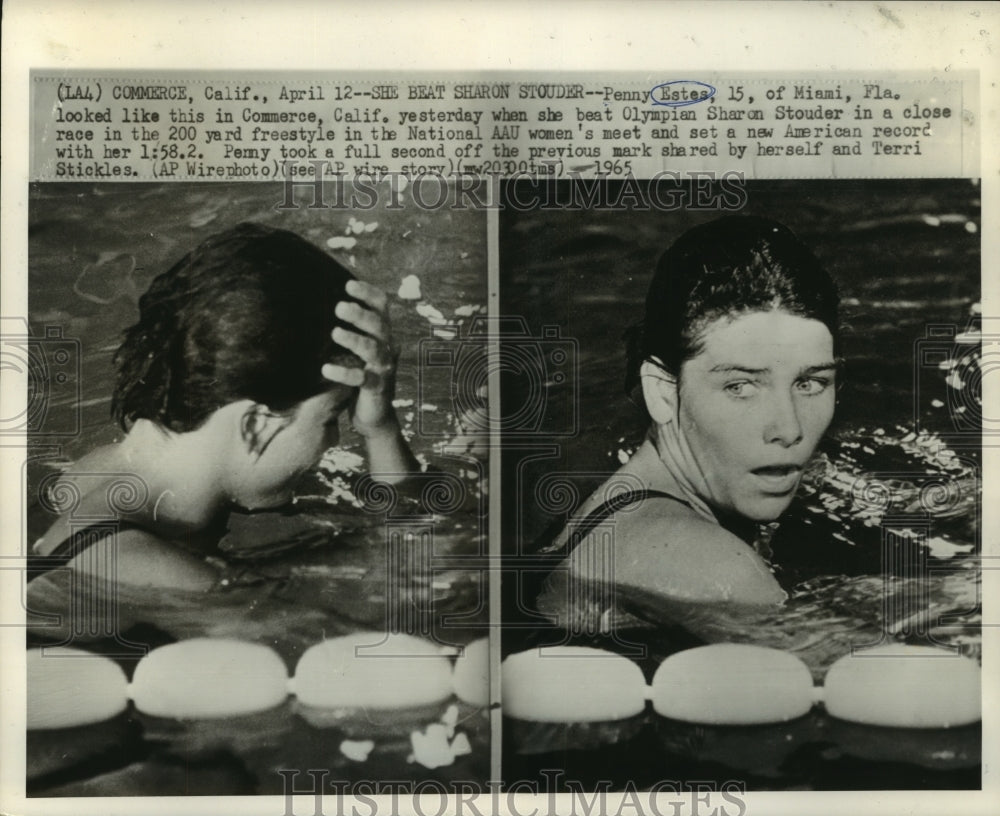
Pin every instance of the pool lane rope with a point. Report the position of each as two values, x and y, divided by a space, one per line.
720 684
211 678
739 684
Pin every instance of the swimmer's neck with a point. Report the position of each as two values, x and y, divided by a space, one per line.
184 473
647 465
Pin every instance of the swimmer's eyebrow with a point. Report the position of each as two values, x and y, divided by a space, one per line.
813 369
729 368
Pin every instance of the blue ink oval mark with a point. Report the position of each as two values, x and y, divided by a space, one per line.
680 97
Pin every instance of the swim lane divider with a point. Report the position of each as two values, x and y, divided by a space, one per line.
206 678
720 684
741 684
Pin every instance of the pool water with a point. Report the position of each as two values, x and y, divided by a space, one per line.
881 542
289 580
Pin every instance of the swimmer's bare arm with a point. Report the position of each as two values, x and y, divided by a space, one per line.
680 558
676 569
389 456
141 558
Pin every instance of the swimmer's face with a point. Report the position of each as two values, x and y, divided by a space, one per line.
753 405
295 447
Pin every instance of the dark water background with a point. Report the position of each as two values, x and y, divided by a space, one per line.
905 442
906 255
93 250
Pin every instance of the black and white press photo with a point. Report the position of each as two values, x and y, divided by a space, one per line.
254 519
520 410
743 463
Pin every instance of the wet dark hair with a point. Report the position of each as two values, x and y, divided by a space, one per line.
728 267
248 314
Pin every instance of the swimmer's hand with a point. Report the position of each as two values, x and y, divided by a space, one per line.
372 415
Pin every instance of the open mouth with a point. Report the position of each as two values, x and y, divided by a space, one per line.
778 479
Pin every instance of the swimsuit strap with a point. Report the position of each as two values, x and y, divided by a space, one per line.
546 561
581 529
617 502
67 549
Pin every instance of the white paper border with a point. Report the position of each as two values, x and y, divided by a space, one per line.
468 37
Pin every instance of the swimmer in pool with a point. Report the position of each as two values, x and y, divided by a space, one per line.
735 363
231 385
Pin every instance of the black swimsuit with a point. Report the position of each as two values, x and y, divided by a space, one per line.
534 569
744 529
534 574
67 549
581 529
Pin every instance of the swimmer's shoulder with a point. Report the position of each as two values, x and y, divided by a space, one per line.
140 556
87 489
663 546
94 485
145 559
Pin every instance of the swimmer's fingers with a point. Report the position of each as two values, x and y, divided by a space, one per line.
370 322
351 377
377 356
370 295
372 412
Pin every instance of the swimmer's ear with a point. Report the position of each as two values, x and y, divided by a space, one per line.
659 390
258 427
